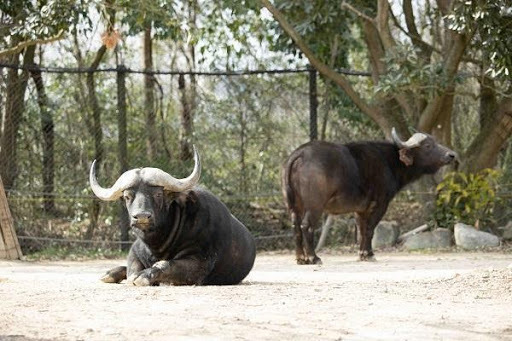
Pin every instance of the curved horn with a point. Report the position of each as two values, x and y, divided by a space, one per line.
126 180
415 140
396 139
412 142
158 177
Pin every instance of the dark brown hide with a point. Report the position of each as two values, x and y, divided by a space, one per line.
187 238
361 177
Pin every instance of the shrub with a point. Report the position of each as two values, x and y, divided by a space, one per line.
469 198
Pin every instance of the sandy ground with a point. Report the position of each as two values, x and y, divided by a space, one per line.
445 296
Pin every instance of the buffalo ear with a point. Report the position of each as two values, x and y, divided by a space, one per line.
188 200
405 156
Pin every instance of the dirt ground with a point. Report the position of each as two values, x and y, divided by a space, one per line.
444 296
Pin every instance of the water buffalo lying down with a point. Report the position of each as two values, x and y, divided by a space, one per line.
185 235
360 177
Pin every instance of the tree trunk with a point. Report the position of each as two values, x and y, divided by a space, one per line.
188 99
15 105
122 151
484 150
97 133
452 58
96 118
47 130
149 96
186 122
443 130
243 139
488 104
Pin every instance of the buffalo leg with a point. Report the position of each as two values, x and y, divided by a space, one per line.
120 273
308 226
135 266
362 222
176 272
299 246
367 223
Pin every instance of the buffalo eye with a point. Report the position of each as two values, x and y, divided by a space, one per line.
128 195
158 195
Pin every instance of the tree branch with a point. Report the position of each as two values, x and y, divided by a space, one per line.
18 48
426 49
451 64
357 12
383 11
325 70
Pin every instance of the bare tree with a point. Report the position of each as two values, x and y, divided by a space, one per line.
14 107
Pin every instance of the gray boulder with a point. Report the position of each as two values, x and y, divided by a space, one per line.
506 231
385 235
436 239
469 238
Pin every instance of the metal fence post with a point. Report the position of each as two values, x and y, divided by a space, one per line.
313 105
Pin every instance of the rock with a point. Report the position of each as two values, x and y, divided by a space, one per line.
506 231
437 239
467 237
385 235
443 237
507 234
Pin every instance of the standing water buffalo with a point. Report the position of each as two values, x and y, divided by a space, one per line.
360 177
185 235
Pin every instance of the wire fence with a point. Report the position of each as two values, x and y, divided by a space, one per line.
56 121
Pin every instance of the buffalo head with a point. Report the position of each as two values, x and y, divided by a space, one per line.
147 192
423 151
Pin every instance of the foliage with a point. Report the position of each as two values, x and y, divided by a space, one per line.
244 126
325 27
407 72
468 198
490 22
75 253
40 19
164 16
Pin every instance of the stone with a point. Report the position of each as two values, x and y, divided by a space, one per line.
437 239
506 231
385 235
442 237
469 238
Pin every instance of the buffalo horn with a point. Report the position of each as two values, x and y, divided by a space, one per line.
412 142
396 139
126 180
152 176
157 177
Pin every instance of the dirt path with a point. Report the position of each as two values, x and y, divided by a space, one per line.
462 296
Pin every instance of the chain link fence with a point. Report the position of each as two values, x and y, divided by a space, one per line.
55 122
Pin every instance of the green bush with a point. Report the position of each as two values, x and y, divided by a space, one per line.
468 198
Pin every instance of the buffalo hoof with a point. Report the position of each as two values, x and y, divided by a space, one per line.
365 257
308 261
317 261
302 261
141 281
108 279
115 275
